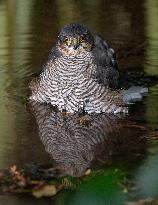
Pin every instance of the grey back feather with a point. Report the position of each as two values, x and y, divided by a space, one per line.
105 59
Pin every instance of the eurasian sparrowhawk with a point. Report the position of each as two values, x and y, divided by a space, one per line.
80 74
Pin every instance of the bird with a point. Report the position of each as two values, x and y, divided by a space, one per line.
81 74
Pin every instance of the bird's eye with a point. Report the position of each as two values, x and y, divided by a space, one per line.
82 39
67 40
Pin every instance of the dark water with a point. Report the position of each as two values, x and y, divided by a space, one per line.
28 30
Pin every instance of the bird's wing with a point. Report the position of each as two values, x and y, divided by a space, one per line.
105 59
128 79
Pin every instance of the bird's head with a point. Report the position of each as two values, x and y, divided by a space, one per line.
75 40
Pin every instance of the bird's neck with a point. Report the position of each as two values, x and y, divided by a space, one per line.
78 58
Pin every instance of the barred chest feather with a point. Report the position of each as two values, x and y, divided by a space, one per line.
69 84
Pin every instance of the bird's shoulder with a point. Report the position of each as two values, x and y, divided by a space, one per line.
54 53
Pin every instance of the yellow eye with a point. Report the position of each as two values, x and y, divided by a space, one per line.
82 39
67 40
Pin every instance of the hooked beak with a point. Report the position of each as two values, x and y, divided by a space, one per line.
76 43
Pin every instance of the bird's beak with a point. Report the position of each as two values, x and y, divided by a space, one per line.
76 43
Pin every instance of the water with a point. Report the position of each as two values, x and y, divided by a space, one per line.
28 29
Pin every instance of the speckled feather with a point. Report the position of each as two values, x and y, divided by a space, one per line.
80 79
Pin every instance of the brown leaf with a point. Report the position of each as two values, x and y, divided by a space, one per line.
18 177
88 171
13 170
45 191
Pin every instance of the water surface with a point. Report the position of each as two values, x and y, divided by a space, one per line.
28 30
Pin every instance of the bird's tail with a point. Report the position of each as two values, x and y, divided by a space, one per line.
134 94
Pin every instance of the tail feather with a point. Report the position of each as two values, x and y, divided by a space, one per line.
134 94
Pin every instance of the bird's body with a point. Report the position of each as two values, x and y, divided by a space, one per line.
80 74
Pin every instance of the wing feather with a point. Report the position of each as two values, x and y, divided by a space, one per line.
105 59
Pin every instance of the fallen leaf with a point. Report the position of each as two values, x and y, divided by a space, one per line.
88 172
45 191
13 170
18 177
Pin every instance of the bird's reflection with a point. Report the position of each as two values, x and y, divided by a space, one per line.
76 142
